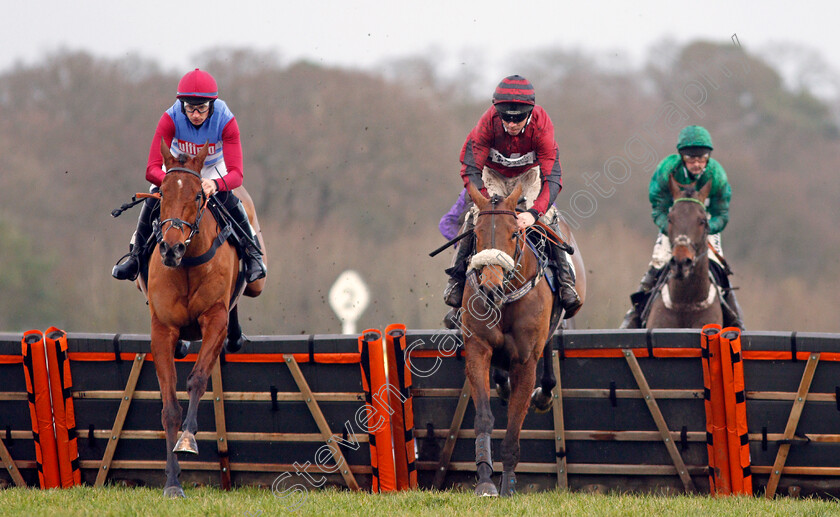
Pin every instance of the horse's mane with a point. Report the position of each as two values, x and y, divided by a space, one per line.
182 158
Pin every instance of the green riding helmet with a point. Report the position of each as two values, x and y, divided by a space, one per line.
694 136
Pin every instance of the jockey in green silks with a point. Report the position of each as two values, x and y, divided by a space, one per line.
691 166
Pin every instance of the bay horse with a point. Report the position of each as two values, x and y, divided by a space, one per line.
507 329
190 297
689 298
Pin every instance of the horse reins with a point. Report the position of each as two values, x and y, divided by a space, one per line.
178 224
493 213
517 234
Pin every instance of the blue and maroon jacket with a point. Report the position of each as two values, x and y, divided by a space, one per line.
224 156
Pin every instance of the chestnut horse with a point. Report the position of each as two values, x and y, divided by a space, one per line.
505 328
190 297
689 298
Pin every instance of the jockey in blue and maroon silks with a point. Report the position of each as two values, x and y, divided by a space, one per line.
197 117
513 142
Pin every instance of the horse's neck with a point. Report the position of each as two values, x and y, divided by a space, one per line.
695 287
207 232
529 266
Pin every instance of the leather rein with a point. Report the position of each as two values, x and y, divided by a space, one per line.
510 275
201 201
179 224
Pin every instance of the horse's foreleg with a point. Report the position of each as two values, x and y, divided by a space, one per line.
522 377
541 397
478 374
213 332
234 340
163 349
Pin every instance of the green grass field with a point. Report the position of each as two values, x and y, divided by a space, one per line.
253 502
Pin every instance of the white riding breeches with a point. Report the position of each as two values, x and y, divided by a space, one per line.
531 187
503 186
662 250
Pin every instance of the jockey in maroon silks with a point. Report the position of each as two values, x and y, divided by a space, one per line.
512 143
197 117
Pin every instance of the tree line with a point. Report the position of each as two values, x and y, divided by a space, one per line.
352 169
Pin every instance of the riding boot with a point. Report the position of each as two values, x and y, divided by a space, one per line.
732 315
569 298
568 295
129 269
249 244
453 293
632 320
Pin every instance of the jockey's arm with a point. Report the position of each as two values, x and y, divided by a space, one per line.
659 195
548 159
552 184
719 208
475 151
154 166
660 202
233 158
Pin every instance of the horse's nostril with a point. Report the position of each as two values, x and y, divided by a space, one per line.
180 248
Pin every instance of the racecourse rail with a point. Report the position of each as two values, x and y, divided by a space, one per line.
298 413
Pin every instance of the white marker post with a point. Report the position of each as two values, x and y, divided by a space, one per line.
349 297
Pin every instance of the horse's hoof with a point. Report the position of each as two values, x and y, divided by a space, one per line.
503 391
186 443
234 347
182 348
508 487
486 489
174 492
540 401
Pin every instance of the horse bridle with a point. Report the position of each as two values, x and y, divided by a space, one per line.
179 224
686 241
517 234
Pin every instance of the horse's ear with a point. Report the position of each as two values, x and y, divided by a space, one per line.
167 156
703 193
515 195
202 153
476 195
676 192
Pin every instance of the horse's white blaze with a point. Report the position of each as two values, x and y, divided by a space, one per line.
180 185
492 257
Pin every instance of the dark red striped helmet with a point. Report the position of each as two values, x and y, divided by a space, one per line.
514 89
198 84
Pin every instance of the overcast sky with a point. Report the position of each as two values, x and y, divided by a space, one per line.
367 32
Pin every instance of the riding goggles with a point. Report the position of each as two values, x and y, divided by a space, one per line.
695 158
193 108
514 118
